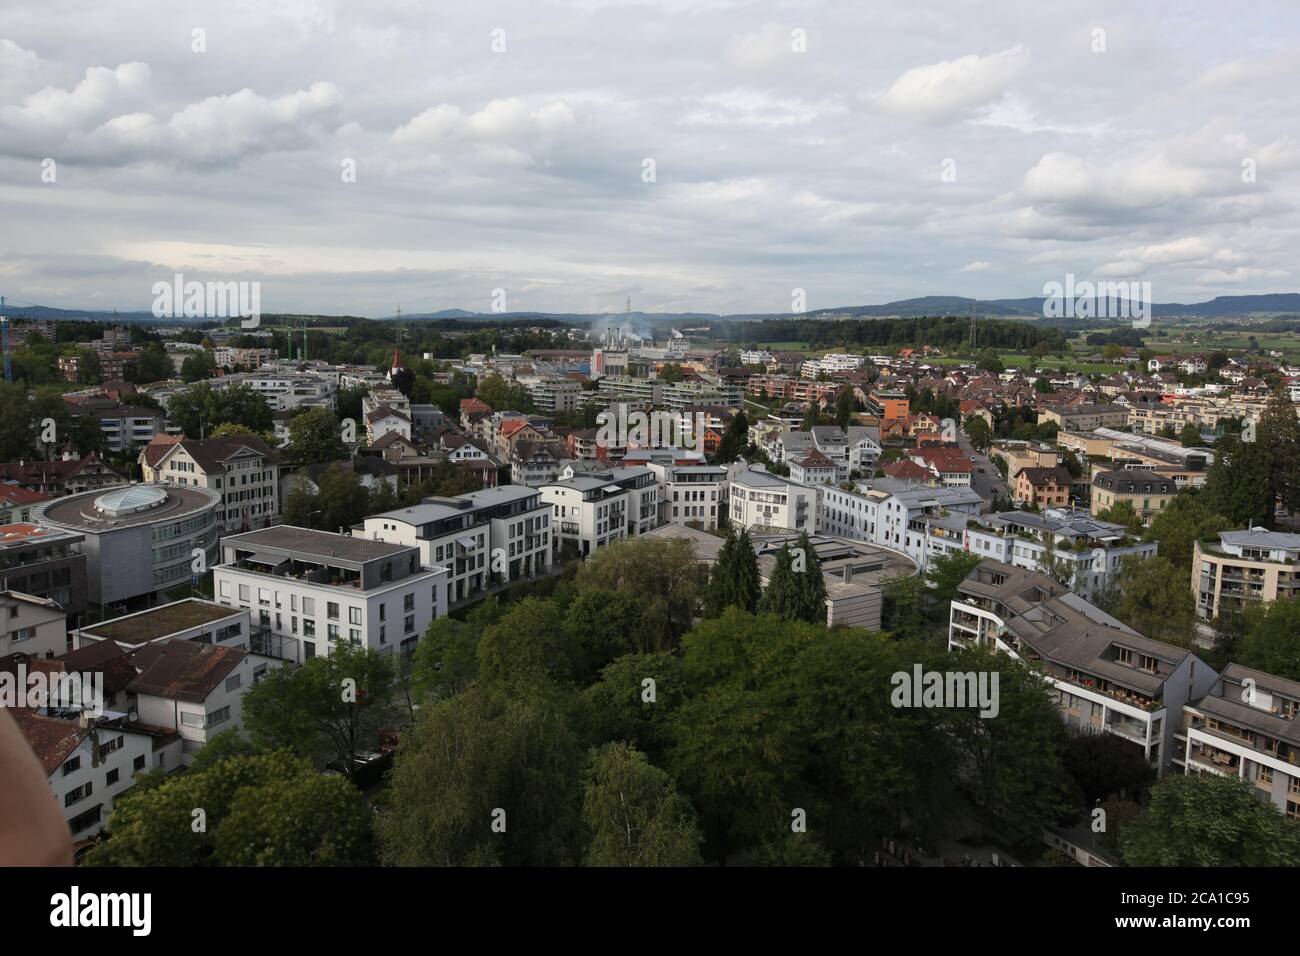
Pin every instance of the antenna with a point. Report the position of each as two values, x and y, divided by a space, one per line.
973 303
629 304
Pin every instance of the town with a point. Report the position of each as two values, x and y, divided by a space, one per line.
641 537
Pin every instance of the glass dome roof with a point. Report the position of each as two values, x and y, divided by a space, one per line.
130 500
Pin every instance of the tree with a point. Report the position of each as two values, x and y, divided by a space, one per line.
529 644
198 366
623 706
735 439
605 626
633 814
734 580
1249 477
671 372
1207 820
1187 519
502 395
314 437
664 576
793 849
152 365
154 825
201 408
989 361
1105 765
945 575
844 407
811 584
978 431
1123 513
89 370
1190 436
482 780
1270 639
342 499
783 597
1156 599
329 709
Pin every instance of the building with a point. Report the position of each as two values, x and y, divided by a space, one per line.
641 483
16 503
501 533
691 493
242 469
45 562
814 469
762 500
1084 418
139 540
1042 487
892 513
316 588
1107 678
854 573
1245 727
1146 491
33 626
56 479
588 512
555 394
1067 545
383 421
948 465
1244 568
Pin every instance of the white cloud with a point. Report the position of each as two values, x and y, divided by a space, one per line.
943 90
978 266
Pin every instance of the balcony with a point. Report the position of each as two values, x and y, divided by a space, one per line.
264 641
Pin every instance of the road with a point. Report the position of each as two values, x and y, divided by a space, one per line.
986 480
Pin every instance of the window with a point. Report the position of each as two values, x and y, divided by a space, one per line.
308 605
218 716
308 627
243 592
71 765
408 603
354 615
76 796
332 610
138 764
192 720
233 681
410 623
332 631
354 635
111 777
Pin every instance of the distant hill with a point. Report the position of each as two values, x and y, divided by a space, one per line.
1225 306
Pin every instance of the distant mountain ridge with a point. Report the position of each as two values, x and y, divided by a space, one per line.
1225 306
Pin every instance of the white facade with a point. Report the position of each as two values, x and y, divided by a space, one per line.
383 600
587 511
760 499
31 625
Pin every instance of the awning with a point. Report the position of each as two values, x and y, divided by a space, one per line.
467 542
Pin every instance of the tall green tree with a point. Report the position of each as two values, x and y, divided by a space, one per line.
783 597
1186 519
1207 820
811 583
1270 639
329 709
1156 599
314 437
633 814
485 780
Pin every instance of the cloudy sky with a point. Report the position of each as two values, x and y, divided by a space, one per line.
693 156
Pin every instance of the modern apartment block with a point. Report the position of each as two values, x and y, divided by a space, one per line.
892 513
589 512
691 494
1244 568
316 588
45 562
642 485
1106 676
1065 544
500 533
1246 727
760 499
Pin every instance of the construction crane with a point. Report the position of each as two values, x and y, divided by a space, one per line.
4 341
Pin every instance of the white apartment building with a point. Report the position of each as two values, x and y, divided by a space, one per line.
691 494
501 533
1083 554
385 421
855 448
833 362
1246 727
1246 567
756 357
587 511
554 394
762 500
315 589
891 513
31 625
1107 677
241 468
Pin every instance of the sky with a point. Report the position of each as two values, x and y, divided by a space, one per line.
706 156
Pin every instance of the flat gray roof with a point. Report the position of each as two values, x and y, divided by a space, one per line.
320 544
